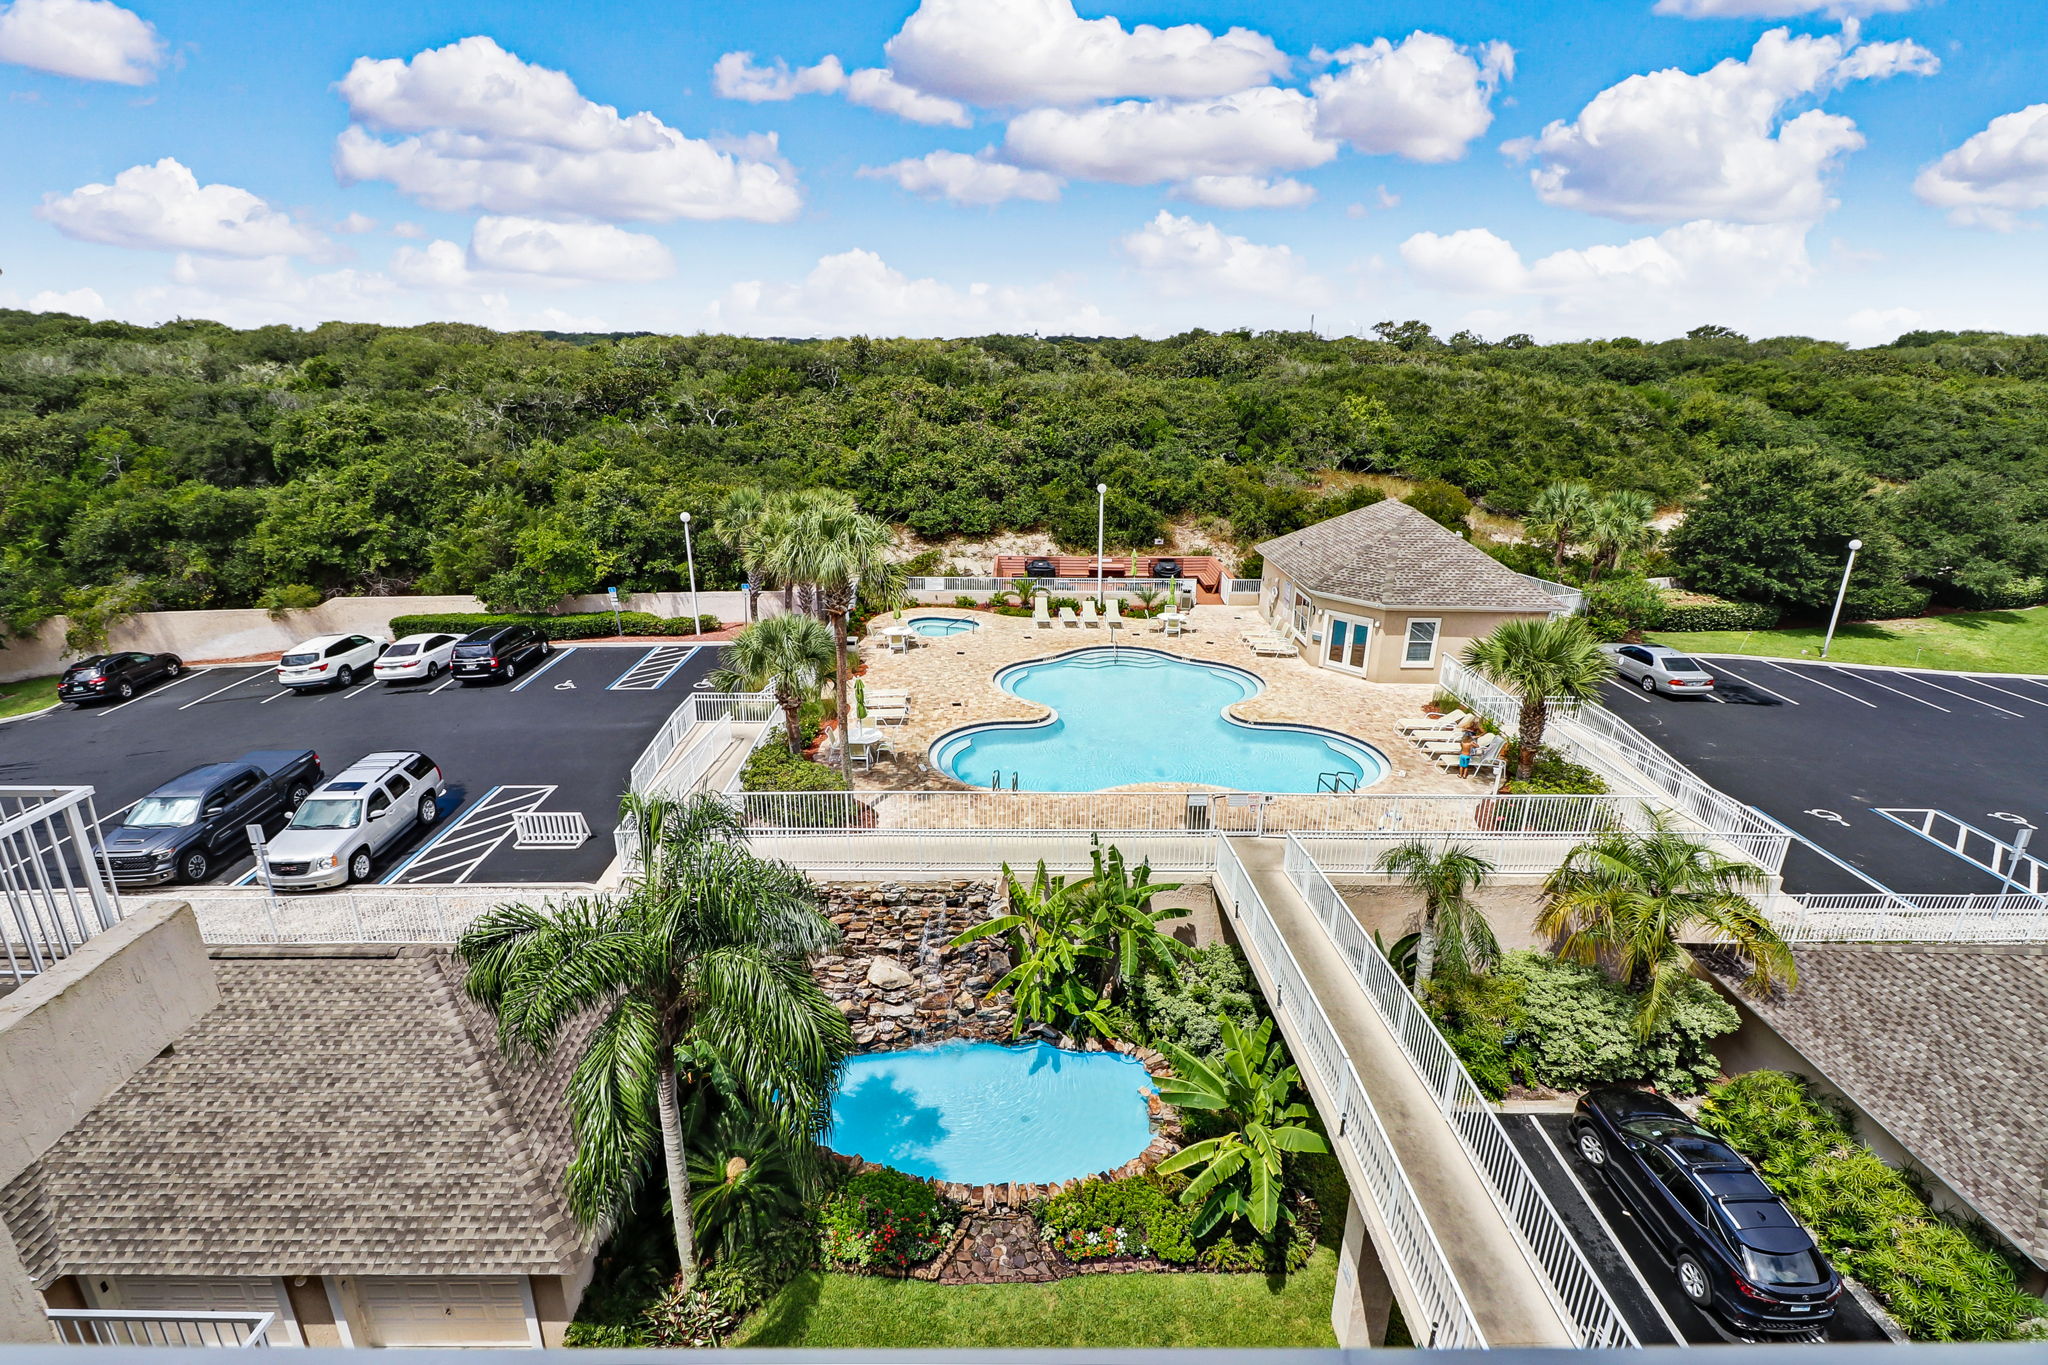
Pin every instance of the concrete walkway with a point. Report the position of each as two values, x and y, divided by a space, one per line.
1509 1297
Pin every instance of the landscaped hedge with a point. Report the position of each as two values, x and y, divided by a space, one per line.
773 768
1143 1216
1697 611
1938 1281
586 625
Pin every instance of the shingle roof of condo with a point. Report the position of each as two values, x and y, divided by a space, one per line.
1391 555
340 1115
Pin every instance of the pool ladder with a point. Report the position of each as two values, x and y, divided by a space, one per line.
995 783
1336 782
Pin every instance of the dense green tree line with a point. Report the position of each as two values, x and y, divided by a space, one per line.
193 465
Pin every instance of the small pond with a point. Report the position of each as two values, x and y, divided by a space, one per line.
981 1113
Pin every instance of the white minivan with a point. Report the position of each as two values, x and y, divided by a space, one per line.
328 661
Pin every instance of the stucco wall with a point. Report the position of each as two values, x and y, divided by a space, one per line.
70 1036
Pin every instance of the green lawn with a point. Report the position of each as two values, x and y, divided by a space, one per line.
30 694
1985 641
844 1312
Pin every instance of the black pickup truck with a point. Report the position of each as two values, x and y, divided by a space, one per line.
193 823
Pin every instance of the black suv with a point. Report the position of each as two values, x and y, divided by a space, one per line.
497 652
1736 1250
115 677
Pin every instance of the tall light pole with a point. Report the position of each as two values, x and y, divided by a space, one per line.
690 553
1840 593
1101 497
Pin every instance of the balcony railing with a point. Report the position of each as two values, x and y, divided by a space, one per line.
125 1327
54 889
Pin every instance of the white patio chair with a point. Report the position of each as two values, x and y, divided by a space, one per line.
1443 722
1068 618
1088 616
1113 611
1041 613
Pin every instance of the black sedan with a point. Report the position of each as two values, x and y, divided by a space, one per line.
115 677
1736 1250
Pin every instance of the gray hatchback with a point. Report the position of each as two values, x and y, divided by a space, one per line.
1655 668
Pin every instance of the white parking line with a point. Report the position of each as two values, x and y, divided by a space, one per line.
1843 672
653 668
281 692
1606 1227
461 847
1818 683
217 691
2016 696
140 696
1761 688
561 655
360 690
1633 692
1967 697
452 680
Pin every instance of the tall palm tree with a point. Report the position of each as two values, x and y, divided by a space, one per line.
736 525
846 557
781 534
1542 662
1561 514
791 654
1623 901
1621 526
703 953
1454 938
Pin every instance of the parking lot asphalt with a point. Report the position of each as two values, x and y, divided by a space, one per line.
561 738
1822 747
1623 1257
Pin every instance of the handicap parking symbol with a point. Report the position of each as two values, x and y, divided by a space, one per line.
1828 815
565 686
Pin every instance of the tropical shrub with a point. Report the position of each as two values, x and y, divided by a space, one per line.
289 598
1940 1282
1624 605
1239 1174
772 768
1556 775
688 1316
883 1220
1703 611
1568 1027
1190 1003
587 625
1138 1216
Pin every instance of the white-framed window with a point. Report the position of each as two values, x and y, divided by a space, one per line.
1300 614
1419 649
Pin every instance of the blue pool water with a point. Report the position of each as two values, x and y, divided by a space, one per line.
942 625
1126 716
979 1113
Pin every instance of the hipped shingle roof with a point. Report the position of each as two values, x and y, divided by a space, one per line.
1391 555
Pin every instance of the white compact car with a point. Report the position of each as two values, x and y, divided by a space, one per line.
1658 668
328 661
416 658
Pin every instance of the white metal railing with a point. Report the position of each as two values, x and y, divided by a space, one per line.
743 707
1117 584
1414 1247
55 890
971 851
550 829
1579 1290
1598 738
440 915
1518 854
1896 917
126 1327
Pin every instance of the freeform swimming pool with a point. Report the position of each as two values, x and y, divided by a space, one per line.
980 1113
942 625
1125 715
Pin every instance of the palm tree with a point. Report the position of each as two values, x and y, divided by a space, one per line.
789 653
1454 937
1623 901
778 538
844 556
704 953
1541 661
736 525
1561 514
1243 1170
1621 526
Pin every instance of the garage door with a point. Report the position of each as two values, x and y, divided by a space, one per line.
432 1311
198 1294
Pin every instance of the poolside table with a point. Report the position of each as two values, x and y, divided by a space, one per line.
898 638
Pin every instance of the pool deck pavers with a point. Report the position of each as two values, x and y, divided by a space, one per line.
951 681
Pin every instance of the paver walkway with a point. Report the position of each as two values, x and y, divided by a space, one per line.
1509 1298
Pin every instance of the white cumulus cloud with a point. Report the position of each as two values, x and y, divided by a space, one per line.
1695 257
1425 98
736 76
93 40
490 131
876 88
1245 192
1672 145
85 302
1996 175
1143 142
857 291
578 251
1875 326
1183 256
1020 52
164 207
1779 9
964 179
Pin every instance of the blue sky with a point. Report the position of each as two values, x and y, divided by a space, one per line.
1838 168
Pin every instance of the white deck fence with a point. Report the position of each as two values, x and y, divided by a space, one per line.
125 1327
1350 1119
54 888
1879 917
1553 1249
371 915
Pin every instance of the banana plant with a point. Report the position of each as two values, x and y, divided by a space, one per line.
1057 960
1242 1172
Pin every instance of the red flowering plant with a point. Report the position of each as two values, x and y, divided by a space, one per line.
884 1220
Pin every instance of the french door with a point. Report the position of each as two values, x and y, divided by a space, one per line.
1345 640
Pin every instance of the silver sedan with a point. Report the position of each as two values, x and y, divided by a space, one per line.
1655 668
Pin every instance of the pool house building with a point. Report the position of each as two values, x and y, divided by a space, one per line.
1385 593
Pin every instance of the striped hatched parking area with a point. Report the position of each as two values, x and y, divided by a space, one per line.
653 668
454 855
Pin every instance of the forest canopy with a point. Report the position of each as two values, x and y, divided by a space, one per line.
194 465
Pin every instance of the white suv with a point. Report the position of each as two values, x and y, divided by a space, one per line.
328 661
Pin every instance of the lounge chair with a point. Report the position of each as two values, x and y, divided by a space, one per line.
1445 722
1088 616
1067 617
889 696
1486 754
1113 611
1041 611
887 714
1272 645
